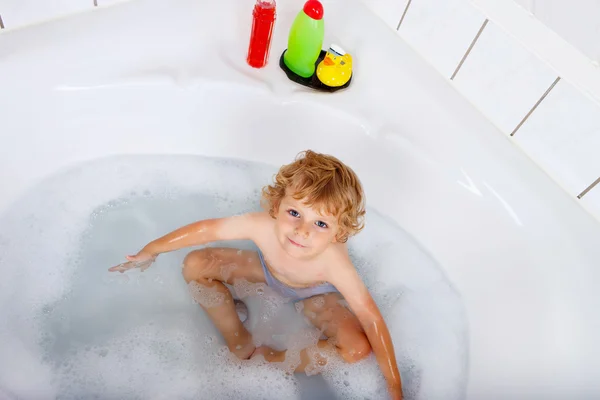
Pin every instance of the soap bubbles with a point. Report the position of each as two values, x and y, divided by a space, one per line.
73 330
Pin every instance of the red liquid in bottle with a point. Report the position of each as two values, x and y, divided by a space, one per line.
262 32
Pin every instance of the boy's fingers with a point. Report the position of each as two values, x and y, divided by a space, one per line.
120 267
146 264
143 265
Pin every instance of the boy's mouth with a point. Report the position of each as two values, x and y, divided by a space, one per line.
296 244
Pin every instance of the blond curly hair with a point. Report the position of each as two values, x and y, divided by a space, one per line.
321 181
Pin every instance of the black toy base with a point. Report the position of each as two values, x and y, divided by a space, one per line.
313 82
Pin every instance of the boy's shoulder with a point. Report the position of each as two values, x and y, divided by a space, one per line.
258 217
337 257
341 271
257 222
238 227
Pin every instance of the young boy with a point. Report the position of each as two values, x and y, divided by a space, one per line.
315 204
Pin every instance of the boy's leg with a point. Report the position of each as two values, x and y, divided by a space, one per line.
328 313
211 267
337 323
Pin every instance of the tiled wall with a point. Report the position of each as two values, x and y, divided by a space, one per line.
545 115
576 21
557 125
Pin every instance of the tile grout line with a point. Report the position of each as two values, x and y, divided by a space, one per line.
535 106
597 181
1 23
459 66
403 14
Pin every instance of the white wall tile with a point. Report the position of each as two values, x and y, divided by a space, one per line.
441 30
576 21
563 137
17 13
388 10
109 2
502 78
592 201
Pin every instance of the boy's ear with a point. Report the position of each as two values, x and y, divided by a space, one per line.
276 209
340 233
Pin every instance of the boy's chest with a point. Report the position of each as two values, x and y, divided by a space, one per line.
294 272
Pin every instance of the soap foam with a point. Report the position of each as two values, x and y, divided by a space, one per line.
71 329
205 296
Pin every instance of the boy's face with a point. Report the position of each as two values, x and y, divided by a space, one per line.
303 231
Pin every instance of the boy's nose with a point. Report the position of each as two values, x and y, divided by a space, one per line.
302 230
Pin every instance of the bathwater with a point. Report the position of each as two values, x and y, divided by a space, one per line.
70 329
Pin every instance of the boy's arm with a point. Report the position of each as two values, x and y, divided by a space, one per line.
346 279
238 227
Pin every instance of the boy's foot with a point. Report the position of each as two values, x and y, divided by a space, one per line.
270 354
242 310
241 344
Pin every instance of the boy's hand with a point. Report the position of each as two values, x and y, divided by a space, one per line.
142 260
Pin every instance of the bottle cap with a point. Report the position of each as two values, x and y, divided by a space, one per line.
266 3
314 9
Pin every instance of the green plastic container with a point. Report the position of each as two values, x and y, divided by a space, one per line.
305 40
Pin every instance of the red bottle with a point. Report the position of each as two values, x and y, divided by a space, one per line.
262 33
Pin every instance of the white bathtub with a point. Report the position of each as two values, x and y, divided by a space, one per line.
156 77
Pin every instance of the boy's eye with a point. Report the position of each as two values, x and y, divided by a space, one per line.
321 224
294 213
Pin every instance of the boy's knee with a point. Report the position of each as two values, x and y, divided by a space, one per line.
196 264
357 350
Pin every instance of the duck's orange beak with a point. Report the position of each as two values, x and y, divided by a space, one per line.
328 61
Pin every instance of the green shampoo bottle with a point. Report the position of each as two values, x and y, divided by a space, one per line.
305 40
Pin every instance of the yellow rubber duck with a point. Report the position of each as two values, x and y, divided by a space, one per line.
336 68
